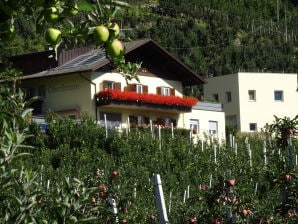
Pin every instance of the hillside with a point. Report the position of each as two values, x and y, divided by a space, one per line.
211 37
221 37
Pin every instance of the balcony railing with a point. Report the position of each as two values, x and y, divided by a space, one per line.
110 96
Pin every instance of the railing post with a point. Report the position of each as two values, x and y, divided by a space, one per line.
160 202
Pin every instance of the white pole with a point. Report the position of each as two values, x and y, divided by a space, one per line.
190 133
231 143
159 132
256 188
202 145
160 201
170 202
135 191
214 148
172 128
184 196
264 151
210 181
250 156
128 124
187 191
113 207
106 125
151 128
296 159
236 148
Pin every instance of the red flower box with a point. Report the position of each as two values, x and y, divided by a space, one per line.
117 95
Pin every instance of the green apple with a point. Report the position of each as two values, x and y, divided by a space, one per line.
71 10
51 14
101 34
53 36
114 28
114 48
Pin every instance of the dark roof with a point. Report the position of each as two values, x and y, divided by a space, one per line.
152 56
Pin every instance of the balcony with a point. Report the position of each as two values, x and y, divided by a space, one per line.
153 101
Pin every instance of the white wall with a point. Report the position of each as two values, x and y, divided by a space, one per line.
204 116
151 81
262 110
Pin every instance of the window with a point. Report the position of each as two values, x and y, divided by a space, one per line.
194 125
165 91
215 97
110 119
138 120
213 127
165 121
251 95
111 85
228 96
139 88
253 126
278 95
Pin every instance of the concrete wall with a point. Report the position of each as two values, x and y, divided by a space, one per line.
261 110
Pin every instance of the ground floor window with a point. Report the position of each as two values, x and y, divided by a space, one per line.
165 121
110 119
138 120
213 127
194 125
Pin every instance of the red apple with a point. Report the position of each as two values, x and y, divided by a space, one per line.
231 182
115 173
53 36
193 220
101 34
122 221
115 48
246 212
152 217
102 188
288 177
51 14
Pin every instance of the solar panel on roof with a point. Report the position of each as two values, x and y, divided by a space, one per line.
92 59
82 60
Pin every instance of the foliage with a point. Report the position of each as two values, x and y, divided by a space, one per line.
73 23
77 169
221 37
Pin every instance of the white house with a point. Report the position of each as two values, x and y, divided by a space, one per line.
251 99
83 80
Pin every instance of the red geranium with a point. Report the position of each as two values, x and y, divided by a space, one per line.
118 95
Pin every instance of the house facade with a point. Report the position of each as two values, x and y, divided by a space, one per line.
87 83
251 99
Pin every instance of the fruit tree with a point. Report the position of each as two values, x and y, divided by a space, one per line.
72 23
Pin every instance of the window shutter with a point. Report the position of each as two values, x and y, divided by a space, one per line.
145 89
172 92
158 90
130 88
117 85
